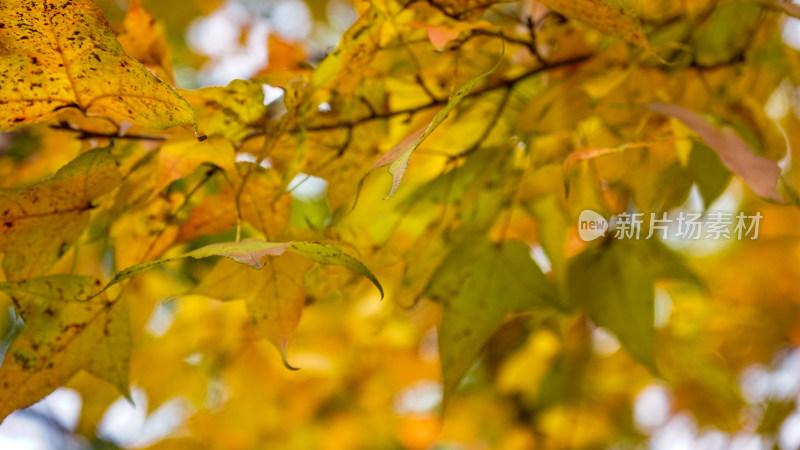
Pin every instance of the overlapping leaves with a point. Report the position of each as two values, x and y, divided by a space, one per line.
490 179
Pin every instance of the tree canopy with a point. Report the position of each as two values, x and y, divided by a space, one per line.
491 224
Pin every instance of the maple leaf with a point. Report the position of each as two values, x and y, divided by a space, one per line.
144 39
614 17
179 158
483 258
480 284
616 286
287 60
40 222
64 333
227 110
61 53
275 294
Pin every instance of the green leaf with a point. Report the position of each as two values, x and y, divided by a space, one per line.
615 282
726 33
479 284
710 175
330 254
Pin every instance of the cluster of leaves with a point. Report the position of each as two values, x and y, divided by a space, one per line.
499 123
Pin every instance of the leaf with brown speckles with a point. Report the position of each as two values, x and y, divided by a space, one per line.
60 53
614 17
39 223
64 334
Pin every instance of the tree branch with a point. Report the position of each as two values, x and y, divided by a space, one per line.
84 134
441 102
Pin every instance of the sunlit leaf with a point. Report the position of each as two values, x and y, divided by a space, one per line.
61 53
227 110
144 39
179 158
258 225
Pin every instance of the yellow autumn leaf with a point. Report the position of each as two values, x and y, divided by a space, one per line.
61 53
61 327
227 110
502 326
181 157
274 295
40 222
144 39
600 86
524 370
613 17
262 205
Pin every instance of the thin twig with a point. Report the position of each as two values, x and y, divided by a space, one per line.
489 127
85 134
441 102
